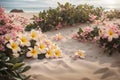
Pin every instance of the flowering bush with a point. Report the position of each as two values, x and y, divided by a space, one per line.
33 44
88 33
18 19
108 36
113 14
11 67
16 45
63 15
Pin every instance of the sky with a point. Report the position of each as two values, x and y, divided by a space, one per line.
53 3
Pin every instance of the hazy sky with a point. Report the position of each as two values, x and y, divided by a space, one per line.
53 3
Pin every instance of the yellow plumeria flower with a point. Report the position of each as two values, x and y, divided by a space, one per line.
34 34
53 46
14 46
33 52
58 37
80 54
49 53
24 40
57 53
42 47
111 34
47 42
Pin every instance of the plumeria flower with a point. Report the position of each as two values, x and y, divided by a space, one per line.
111 34
50 53
58 37
41 36
80 54
14 46
42 47
47 42
53 46
24 40
33 52
34 35
57 53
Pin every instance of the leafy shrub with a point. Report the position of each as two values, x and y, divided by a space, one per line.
11 67
113 14
108 37
16 45
66 14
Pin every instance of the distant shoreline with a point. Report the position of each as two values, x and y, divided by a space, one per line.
38 9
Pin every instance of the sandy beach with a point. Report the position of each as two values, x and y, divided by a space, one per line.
97 65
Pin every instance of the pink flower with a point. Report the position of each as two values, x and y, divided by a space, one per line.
75 35
88 29
59 26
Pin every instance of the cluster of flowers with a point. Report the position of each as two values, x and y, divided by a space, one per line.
33 44
11 67
107 36
18 19
7 27
16 44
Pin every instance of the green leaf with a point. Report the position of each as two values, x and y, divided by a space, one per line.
25 69
17 66
41 56
27 77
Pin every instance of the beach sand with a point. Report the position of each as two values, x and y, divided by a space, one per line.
97 65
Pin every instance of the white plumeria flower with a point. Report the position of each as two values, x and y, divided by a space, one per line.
53 46
57 53
47 42
80 54
24 40
34 35
41 46
111 34
33 52
50 53
58 37
14 46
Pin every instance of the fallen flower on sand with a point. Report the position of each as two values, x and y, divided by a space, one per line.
58 53
80 54
58 37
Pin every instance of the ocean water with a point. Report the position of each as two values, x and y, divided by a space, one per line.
40 5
